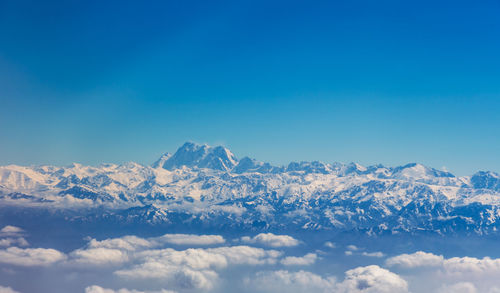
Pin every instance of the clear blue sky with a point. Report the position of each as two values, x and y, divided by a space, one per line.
368 81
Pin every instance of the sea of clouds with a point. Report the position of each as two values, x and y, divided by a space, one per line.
265 262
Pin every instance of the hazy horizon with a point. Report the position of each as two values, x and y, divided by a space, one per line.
386 83
243 156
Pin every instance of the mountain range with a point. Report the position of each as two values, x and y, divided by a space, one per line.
208 187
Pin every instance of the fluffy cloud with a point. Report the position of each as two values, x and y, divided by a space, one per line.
20 241
132 243
329 244
372 279
26 257
247 255
454 265
98 256
466 264
417 259
7 290
474 274
141 259
115 251
180 276
30 256
305 260
12 236
11 230
373 254
97 289
194 268
272 240
462 287
190 239
129 243
352 247
301 281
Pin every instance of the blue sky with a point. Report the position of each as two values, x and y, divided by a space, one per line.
368 81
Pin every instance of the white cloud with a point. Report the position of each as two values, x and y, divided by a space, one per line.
417 259
12 236
132 243
329 244
301 281
129 243
97 289
372 279
194 267
466 264
11 230
247 255
454 265
20 241
30 256
190 239
7 290
115 251
98 256
462 287
352 247
179 275
472 274
141 260
272 240
373 254
305 260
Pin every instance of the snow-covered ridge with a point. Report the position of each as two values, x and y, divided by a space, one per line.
211 183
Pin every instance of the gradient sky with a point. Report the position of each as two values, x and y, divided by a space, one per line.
368 81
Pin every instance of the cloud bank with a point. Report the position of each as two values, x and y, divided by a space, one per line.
369 279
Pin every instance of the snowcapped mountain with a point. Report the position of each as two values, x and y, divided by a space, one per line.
201 156
204 186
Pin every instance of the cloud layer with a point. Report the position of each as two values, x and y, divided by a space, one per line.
210 263
369 279
455 274
454 265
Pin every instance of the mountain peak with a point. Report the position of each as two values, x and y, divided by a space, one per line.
353 168
161 161
486 180
418 172
247 164
202 156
